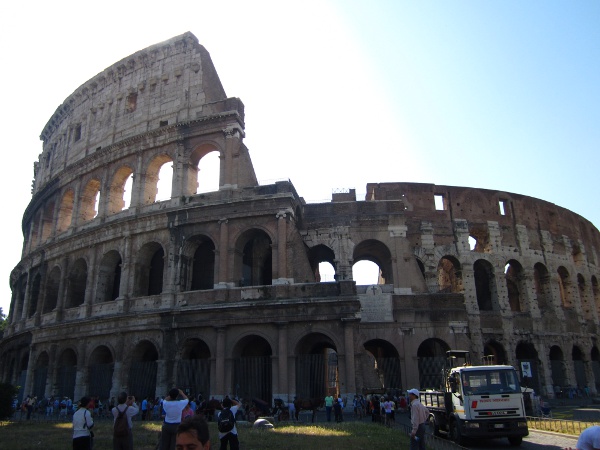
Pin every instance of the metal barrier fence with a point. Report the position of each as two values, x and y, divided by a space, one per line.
574 427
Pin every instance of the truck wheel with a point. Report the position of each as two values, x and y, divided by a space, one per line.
433 426
515 441
455 433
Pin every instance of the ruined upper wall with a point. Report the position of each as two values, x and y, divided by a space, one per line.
170 82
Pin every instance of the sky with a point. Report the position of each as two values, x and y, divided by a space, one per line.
340 93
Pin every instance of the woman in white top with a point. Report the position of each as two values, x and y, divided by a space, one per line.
82 425
173 408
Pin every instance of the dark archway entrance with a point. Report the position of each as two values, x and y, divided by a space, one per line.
252 369
316 367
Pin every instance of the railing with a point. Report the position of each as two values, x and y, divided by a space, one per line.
574 427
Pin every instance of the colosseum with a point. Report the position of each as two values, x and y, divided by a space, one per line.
220 292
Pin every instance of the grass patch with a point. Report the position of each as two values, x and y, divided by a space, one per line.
348 435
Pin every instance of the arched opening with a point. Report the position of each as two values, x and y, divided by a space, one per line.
51 290
76 284
378 253
559 371
90 199
449 275
254 259
485 285
109 277
494 353
383 366
431 356
543 289
65 213
202 264
100 372
193 369
252 369
40 375
515 285
579 366
47 220
366 273
150 270
66 373
159 170
209 168
119 196
583 298
143 370
322 262
34 295
527 357
317 372
595 358
596 294
564 286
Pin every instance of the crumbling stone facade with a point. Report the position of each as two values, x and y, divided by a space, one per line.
219 292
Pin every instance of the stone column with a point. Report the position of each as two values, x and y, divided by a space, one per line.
350 363
162 385
27 295
280 271
282 352
27 388
223 255
90 284
81 380
220 363
60 301
51 378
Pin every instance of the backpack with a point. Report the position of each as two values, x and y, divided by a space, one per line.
226 421
121 426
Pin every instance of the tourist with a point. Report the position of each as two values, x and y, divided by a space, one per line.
83 423
589 439
172 408
127 406
230 437
328 407
192 434
419 416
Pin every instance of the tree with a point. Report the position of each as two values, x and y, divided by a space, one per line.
3 321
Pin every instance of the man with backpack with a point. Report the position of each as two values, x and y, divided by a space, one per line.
226 424
123 412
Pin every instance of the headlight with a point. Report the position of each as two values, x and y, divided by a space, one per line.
522 425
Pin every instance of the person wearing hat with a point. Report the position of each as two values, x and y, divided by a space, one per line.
419 415
82 425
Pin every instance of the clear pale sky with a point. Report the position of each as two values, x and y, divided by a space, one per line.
497 95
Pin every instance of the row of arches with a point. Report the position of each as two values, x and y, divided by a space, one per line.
129 185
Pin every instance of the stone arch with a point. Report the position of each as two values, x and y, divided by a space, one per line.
199 155
193 368
515 285
34 295
253 258
557 366
318 254
449 275
40 375
51 290
485 285
316 366
578 359
431 356
383 370
77 283
100 372
109 277
149 270
543 288
143 369
378 253
66 373
90 196
116 193
198 264
494 353
564 286
47 220
526 353
150 189
65 211
252 368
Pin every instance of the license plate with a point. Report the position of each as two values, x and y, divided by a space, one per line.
499 425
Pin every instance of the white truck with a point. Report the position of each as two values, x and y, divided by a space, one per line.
477 402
